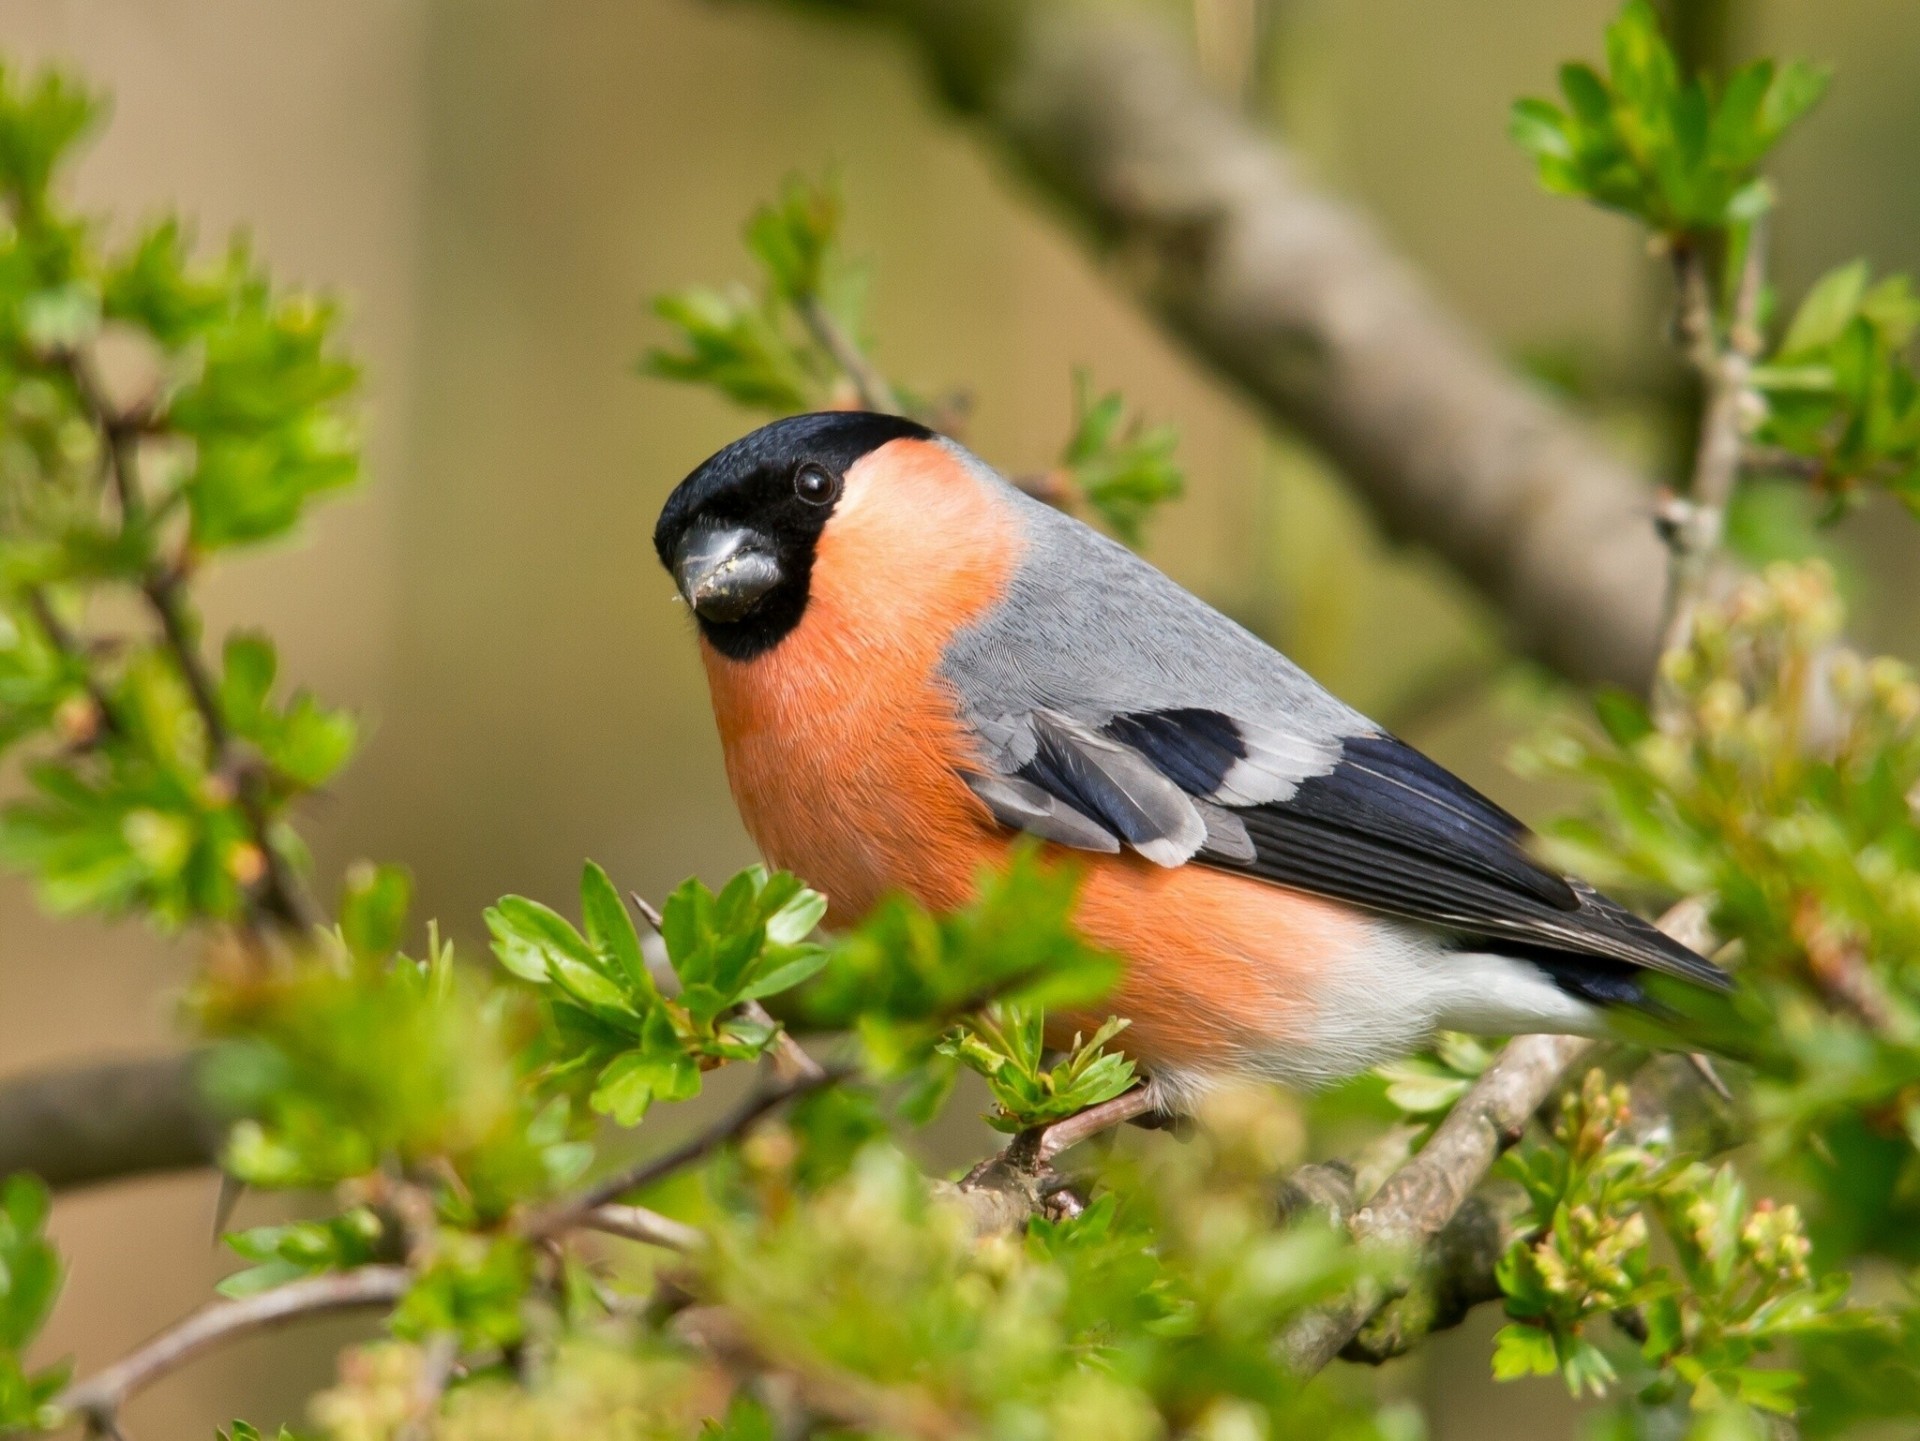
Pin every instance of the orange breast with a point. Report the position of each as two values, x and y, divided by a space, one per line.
841 745
841 741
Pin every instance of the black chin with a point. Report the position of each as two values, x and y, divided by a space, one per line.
763 627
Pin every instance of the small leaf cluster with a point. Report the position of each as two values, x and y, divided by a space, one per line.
1122 468
1840 390
30 1275
355 1237
1676 152
616 1030
1740 1287
1006 1045
343 1071
1426 1086
763 348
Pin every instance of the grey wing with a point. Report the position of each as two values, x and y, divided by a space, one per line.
1113 709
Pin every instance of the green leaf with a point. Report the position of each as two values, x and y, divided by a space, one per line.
373 909
1520 1350
611 932
535 942
797 918
1824 313
1540 128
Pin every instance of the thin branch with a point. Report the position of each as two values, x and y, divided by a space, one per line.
99 1398
72 648
1693 528
868 383
1080 1126
574 1211
790 1058
650 1228
281 897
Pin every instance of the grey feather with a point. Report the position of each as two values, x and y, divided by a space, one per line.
1090 630
1227 837
1152 814
1026 807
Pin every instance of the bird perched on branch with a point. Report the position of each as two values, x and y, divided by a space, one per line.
912 664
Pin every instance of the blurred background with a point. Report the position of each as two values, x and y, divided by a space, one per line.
497 187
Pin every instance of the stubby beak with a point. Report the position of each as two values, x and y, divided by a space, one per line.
723 573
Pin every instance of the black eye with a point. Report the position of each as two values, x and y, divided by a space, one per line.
813 484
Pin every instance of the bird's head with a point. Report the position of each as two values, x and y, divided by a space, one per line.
741 533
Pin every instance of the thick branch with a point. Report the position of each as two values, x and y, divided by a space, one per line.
99 1398
1293 296
105 1121
1417 1202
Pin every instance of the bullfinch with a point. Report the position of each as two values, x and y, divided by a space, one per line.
913 663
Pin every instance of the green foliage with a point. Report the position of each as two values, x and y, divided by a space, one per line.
614 1029
343 1070
765 349
1739 1287
304 1248
906 976
473 1288
1149 1314
1426 1086
1122 468
30 1275
1840 391
243 1431
1676 152
1789 802
1005 1045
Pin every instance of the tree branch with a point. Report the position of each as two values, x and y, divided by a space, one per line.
99 1398
1417 1202
105 1121
1292 296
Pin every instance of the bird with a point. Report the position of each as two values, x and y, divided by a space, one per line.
915 667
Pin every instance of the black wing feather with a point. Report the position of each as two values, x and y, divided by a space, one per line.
1389 830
